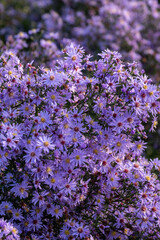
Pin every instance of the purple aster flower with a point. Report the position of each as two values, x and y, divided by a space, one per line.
45 143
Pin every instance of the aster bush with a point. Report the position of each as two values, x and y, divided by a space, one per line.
7 231
129 26
71 150
34 44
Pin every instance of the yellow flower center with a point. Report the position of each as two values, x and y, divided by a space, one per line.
151 93
139 146
119 144
26 224
14 134
43 120
100 105
37 210
74 58
9 211
67 232
6 154
148 178
77 157
113 233
22 190
53 97
27 209
67 160
46 144
27 109
21 34
5 120
66 126
136 176
12 54
74 139
155 123
53 180
95 151
91 122
48 169
56 210
14 230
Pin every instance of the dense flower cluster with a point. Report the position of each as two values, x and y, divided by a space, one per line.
72 139
73 132
129 26
28 46
7 231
